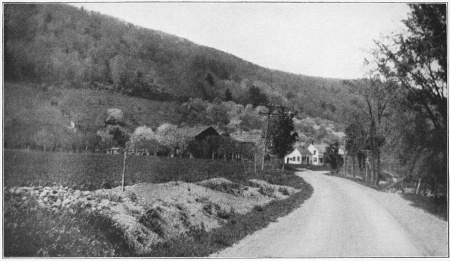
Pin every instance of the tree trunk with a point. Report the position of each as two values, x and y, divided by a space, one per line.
212 156
377 177
419 183
353 166
367 174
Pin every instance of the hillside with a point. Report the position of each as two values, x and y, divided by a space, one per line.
72 48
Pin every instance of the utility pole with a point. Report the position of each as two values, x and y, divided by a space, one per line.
345 170
271 108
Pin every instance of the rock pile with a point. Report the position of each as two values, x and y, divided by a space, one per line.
59 198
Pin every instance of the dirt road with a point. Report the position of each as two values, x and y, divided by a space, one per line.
345 219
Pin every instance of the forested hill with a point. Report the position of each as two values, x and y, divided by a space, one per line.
72 48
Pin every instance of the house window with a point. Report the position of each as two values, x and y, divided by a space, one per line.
321 160
298 158
293 158
315 159
314 152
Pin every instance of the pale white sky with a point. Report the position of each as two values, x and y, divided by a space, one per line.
316 39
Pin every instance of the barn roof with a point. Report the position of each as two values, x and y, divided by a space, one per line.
210 131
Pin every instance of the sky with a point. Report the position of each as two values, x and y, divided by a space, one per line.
316 39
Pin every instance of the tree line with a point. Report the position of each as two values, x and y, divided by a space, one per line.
400 118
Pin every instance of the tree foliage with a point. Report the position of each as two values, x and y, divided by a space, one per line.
332 157
282 134
416 60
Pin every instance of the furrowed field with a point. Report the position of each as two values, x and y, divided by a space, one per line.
94 171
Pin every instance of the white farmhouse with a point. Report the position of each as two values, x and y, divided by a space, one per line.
317 151
298 156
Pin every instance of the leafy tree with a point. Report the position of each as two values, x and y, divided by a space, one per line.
332 157
256 97
175 139
283 135
113 136
356 137
44 138
228 95
144 138
417 61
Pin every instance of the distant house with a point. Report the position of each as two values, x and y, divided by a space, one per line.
317 151
114 150
341 150
298 156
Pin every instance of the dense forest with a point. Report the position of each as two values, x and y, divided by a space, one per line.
69 47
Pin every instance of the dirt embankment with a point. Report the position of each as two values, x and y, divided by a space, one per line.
150 213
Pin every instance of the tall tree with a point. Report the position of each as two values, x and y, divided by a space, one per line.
332 157
417 61
256 97
228 95
283 135
374 106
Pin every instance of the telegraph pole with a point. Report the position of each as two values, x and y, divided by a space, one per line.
345 170
271 108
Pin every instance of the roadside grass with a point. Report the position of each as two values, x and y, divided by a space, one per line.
310 167
30 231
437 207
199 243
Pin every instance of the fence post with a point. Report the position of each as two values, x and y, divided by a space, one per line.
123 171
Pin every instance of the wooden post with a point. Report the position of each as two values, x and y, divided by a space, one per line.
419 183
123 171
345 171
265 140
366 171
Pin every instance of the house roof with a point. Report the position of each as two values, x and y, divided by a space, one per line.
321 148
304 151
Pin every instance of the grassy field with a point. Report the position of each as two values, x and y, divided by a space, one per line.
94 170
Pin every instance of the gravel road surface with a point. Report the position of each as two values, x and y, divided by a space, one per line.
345 219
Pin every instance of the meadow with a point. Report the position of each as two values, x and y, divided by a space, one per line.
91 171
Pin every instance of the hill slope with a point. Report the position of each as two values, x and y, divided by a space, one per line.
70 47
